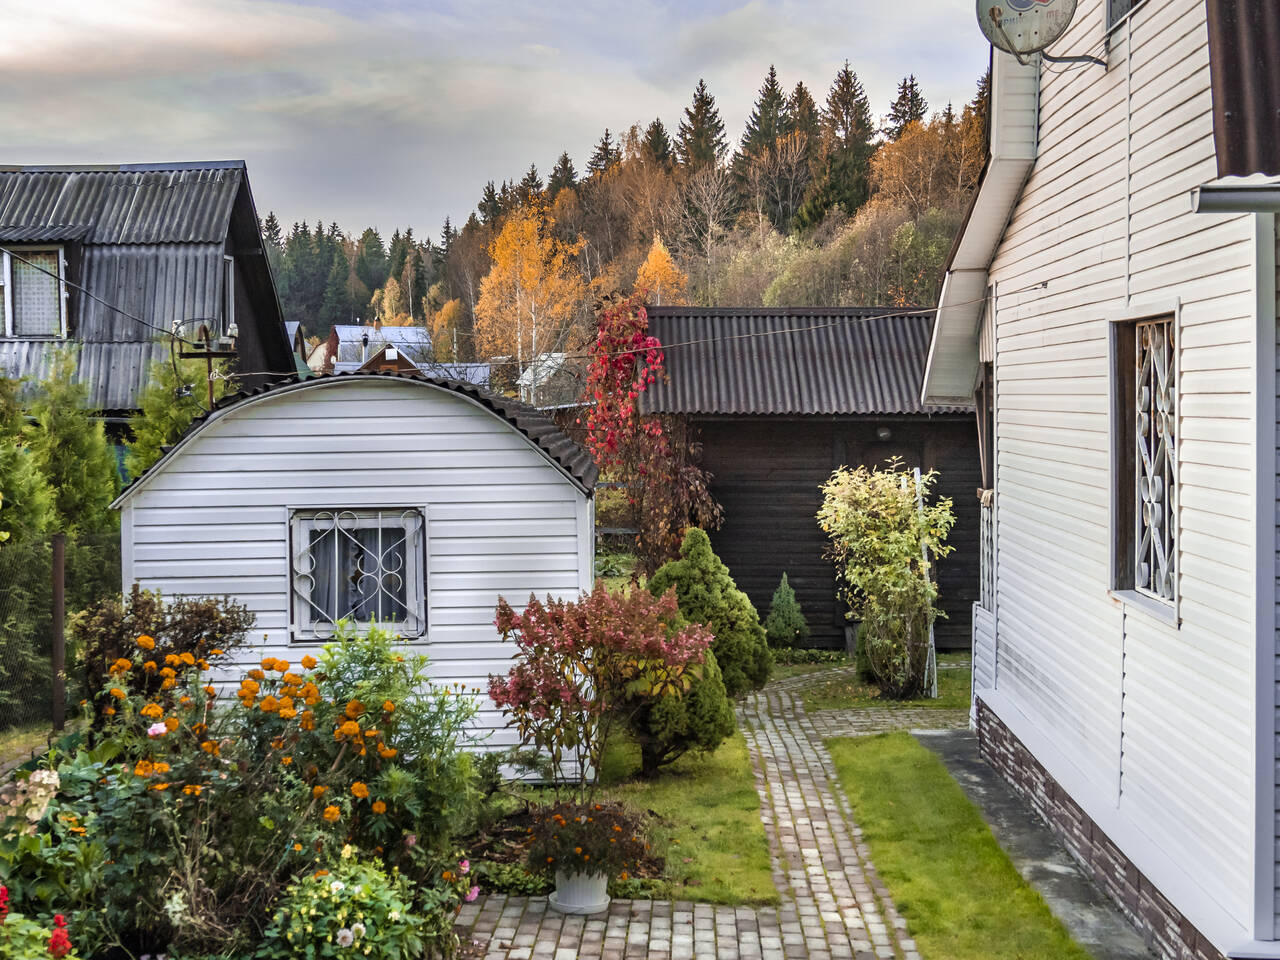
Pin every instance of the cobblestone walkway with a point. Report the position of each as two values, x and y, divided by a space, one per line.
833 904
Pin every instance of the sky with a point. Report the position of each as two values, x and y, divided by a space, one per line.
393 114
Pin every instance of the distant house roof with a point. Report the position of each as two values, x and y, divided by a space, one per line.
537 426
413 342
790 362
148 239
476 373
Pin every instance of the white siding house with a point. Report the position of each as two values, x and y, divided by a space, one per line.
364 495
1125 655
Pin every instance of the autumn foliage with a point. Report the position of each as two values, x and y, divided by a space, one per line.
654 456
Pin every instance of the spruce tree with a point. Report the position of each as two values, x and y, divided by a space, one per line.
656 146
843 166
371 259
563 176
605 155
336 306
273 242
707 594
785 626
700 140
490 207
908 107
530 188
768 120
171 400
802 115
397 253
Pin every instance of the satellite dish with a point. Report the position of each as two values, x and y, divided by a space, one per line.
1024 27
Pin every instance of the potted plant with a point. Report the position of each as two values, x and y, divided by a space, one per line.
580 666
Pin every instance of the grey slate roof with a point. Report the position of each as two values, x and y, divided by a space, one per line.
147 238
534 424
791 361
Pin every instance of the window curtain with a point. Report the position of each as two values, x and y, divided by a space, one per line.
359 574
36 312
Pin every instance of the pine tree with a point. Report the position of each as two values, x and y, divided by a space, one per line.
768 118
490 207
656 146
908 107
785 626
802 115
398 252
605 155
846 149
563 176
371 259
273 243
700 140
530 188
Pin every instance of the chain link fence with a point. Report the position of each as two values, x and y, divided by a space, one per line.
28 642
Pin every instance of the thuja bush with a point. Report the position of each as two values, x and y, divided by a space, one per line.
785 626
886 534
192 812
669 728
708 595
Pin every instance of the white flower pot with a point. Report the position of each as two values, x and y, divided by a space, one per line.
580 893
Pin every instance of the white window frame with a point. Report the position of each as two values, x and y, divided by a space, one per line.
307 623
1113 24
6 288
228 294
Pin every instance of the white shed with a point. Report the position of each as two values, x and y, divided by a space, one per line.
367 496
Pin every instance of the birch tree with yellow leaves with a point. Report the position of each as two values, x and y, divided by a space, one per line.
532 294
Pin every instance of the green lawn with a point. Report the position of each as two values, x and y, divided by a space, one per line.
708 822
961 897
846 691
782 671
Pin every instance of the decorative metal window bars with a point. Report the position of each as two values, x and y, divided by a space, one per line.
1155 458
358 565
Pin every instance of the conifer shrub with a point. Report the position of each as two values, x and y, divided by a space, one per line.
707 594
785 626
700 720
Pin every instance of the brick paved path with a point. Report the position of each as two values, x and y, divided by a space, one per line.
833 904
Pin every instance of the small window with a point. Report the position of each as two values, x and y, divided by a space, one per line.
364 566
228 295
32 288
1145 456
1117 10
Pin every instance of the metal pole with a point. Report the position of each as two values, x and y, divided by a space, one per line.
58 657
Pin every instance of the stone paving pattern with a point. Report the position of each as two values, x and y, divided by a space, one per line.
834 907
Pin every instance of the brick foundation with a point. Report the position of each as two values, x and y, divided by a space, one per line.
1168 934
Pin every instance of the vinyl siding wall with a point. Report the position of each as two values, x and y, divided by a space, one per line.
1149 726
501 518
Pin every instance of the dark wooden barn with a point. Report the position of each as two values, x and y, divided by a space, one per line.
781 398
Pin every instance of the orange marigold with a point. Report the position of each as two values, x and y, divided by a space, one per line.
256 674
359 790
187 658
268 663
149 666
146 642
117 693
269 704
120 666
318 791
143 768
172 659
282 666
354 709
215 652
350 729
379 807
209 747
309 662
287 713
332 813
158 786
388 706
192 789
168 684
308 721
171 724
161 767
291 678
168 672
110 711
211 690
386 753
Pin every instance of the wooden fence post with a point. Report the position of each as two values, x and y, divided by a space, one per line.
58 656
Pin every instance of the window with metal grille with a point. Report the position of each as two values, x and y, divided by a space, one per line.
32 292
362 566
1145 455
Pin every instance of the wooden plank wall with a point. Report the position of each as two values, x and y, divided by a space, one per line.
767 472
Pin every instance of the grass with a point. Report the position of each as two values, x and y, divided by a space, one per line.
847 691
708 822
782 671
18 744
961 897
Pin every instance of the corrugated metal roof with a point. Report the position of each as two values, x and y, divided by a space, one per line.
188 205
1244 46
413 342
115 372
159 283
790 362
534 424
477 373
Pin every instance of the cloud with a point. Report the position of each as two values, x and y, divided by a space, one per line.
395 113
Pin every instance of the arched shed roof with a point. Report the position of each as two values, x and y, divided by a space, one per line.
536 426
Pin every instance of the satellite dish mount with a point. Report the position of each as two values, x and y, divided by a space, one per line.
1027 27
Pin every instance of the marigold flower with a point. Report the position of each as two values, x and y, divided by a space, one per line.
110 711
187 658
332 813
209 747
350 729
172 659
146 642
149 666
269 704
248 683
447 876
120 666
286 760
308 721
379 807
309 662
256 674
158 786
168 672
192 789
297 847
202 664
215 652
184 700
292 679
387 752
359 790
143 768
281 666
388 706
171 724
117 693
268 663
211 690
354 709
372 733
287 713
168 684
318 791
